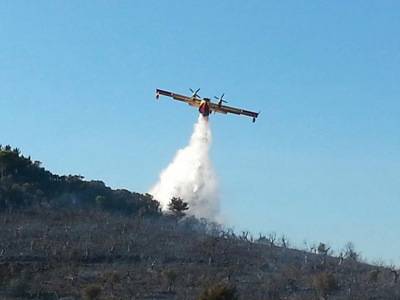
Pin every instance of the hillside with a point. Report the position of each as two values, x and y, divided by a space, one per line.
25 184
62 237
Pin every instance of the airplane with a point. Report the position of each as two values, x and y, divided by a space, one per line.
206 107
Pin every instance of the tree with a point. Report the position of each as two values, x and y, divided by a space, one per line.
350 253
323 249
177 206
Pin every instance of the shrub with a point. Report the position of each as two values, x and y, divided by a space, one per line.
373 276
19 288
219 291
276 285
325 283
170 276
92 292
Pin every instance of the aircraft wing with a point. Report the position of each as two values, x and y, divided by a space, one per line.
224 109
189 100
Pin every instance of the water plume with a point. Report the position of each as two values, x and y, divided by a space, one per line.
191 176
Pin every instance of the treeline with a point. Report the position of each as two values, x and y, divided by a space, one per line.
26 184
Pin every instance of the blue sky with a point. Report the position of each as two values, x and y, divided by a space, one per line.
77 81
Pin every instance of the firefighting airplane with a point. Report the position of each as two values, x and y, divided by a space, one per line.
205 105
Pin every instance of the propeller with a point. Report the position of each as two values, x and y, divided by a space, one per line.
195 93
220 99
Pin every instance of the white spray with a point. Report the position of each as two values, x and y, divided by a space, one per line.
191 176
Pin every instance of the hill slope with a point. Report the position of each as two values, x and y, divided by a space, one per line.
63 237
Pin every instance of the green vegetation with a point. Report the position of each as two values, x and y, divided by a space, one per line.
177 206
24 183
